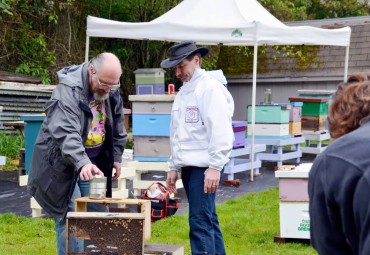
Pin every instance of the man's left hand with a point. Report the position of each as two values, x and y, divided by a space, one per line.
211 180
117 167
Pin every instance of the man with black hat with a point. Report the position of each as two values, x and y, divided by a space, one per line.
201 142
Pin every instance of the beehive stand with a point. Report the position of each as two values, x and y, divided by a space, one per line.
275 151
236 165
318 137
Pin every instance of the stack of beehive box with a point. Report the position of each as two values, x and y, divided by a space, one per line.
314 113
294 201
149 81
239 128
271 121
151 117
295 117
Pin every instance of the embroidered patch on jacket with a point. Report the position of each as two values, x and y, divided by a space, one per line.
192 114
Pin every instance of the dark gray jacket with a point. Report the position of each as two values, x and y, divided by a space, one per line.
339 188
59 151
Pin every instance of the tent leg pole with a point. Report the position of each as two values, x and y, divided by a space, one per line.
346 64
87 48
253 108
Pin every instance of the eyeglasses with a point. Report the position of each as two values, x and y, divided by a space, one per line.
112 87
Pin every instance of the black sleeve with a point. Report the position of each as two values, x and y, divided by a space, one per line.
325 224
361 209
119 130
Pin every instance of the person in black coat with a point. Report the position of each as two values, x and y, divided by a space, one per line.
339 180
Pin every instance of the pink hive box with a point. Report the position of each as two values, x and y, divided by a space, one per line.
293 184
239 128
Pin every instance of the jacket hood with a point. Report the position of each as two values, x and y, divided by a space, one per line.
73 76
218 75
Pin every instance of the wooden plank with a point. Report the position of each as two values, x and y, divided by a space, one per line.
18 125
328 92
163 249
308 99
16 77
149 166
45 89
151 98
104 215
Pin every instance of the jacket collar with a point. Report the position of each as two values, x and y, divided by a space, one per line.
85 80
190 85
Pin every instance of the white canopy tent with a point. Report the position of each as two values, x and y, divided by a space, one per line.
226 22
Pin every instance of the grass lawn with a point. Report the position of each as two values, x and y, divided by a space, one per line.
249 224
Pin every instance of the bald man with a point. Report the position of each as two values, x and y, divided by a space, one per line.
82 135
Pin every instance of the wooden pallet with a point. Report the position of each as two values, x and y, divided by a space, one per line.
279 239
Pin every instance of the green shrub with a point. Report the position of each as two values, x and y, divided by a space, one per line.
10 145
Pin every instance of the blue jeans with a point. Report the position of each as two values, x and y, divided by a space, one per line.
205 234
74 245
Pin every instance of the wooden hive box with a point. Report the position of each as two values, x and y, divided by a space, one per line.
314 123
295 128
122 231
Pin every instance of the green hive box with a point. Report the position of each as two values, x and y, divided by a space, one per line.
270 113
149 75
313 106
31 130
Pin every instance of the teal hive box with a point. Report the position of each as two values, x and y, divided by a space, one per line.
270 113
31 130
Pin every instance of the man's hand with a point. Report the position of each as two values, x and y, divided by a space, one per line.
88 170
211 180
171 181
117 167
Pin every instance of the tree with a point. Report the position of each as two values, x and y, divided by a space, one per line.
40 37
296 10
317 9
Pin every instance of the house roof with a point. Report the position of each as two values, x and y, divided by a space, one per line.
329 60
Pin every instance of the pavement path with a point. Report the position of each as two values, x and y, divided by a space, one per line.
15 199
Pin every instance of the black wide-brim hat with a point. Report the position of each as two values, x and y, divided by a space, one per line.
181 51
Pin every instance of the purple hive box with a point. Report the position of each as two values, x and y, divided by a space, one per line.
147 89
239 128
